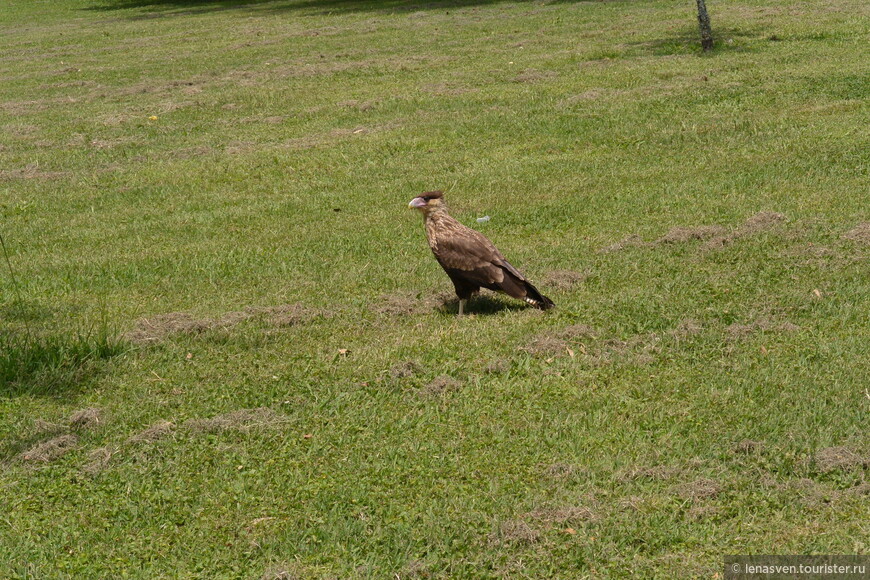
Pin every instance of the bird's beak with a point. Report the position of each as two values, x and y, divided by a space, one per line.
417 203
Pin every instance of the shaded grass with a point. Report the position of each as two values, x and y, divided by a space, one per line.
54 364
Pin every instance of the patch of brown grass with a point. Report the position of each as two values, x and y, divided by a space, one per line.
532 75
85 418
561 470
162 325
656 472
714 236
577 331
440 386
632 241
497 367
31 171
561 280
50 450
764 324
860 233
700 512
700 489
686 328
406 370
756 224
155 432
681 234
241 420
98 460
545 346
515 531
638 350
407 304
841 457
558 342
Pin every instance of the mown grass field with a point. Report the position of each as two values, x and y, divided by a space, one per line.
230 354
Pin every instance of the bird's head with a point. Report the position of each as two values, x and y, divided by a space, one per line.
428 201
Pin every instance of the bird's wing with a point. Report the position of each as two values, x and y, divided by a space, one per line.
464 249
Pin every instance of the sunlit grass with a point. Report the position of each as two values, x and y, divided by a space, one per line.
204 206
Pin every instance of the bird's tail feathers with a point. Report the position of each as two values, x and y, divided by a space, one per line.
536 299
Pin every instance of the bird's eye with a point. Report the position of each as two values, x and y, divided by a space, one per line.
427 199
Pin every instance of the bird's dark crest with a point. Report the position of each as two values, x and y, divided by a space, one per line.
433 194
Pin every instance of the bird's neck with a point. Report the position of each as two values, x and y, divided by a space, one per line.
434 221
437 215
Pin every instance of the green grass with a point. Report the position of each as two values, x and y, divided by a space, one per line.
226 183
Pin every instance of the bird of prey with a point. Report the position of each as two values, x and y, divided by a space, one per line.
469 258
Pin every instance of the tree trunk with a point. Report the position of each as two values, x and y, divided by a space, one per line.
704 23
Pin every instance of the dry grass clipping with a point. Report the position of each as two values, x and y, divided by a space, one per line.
162 325
85 418
155 432
860 233
50 450
440 386
832 458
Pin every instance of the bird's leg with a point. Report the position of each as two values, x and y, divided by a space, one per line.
462 302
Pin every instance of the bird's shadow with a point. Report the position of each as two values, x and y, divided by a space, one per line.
482 305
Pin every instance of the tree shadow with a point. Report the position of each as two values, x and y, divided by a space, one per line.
688 41
315 6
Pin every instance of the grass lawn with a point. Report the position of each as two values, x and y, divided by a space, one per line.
227 351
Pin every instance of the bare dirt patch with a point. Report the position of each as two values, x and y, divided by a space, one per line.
155 432
860 233
86 418
841 457
50 450
563 279
162 325
241 420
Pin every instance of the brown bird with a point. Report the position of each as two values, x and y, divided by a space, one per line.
469 258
